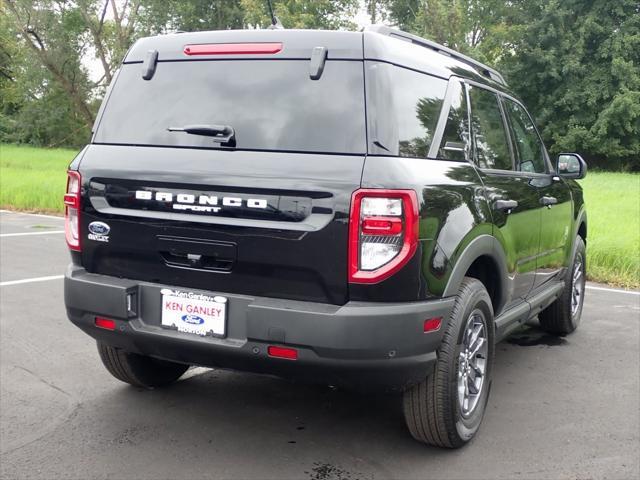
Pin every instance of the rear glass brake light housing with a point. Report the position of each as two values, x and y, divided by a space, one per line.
232 48
72 210
383 233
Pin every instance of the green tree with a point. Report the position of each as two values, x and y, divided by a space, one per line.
44 95
468 26
327 14
161 16
576 64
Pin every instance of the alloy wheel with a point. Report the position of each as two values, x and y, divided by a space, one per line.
472 363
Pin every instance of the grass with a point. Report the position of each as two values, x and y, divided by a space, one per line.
34 179
613 228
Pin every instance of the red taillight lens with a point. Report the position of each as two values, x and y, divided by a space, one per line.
105 323
383 233
72 210
232 48
282 352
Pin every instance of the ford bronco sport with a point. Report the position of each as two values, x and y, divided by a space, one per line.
368 210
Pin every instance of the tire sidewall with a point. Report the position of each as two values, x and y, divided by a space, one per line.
466 427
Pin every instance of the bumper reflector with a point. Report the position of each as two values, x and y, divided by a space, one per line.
432 324
282 352
105 323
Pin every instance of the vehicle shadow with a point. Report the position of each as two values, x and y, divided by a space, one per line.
223 414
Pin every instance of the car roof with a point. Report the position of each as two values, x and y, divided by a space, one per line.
295 44
379 43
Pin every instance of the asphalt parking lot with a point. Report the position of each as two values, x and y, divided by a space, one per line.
559 408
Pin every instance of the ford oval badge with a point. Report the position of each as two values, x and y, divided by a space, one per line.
99 228
193 319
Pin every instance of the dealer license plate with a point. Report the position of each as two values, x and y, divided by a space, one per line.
192 312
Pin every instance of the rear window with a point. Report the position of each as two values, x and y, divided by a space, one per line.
271 105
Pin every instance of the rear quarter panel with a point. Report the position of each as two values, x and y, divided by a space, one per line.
453 211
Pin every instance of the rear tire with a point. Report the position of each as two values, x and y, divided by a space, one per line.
139 370
563 316
435 410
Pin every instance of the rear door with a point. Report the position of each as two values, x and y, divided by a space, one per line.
511 195
555 197
265 214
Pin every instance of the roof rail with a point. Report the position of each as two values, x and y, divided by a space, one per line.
483 69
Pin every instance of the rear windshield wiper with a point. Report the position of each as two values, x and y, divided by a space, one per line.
220 133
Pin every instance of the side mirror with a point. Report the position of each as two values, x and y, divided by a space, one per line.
571 165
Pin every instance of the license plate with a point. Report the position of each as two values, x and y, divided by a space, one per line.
192 312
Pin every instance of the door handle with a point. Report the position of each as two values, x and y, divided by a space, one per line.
507 205
548 201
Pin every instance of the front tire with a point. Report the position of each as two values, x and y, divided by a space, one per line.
139 370
563 316
446 408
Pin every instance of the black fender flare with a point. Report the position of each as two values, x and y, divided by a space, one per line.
580 219
483 245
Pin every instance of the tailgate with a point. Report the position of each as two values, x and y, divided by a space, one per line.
257 223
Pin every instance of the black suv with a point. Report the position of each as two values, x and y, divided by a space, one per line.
368 210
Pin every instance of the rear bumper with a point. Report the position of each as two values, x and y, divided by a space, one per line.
358 345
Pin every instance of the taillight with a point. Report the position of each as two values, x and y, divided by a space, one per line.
72 210
383 233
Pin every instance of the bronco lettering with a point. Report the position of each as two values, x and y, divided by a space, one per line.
184 201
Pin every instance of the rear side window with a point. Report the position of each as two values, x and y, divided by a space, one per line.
528 146
490 137
456 141
403 109
271 105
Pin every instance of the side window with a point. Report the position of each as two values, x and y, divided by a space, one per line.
528 147
418 99
490 137
403 108
455 139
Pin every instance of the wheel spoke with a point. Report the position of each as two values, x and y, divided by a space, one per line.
477 329
466 341
471 386
478 345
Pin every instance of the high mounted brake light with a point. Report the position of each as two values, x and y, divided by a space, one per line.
72 210
232 48
383 233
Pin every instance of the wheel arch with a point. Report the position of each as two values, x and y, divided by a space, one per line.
581 224
483 259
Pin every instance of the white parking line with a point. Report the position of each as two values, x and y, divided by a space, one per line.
32 214
616 290
24 234
31 280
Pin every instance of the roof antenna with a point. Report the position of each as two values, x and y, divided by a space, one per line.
275 21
